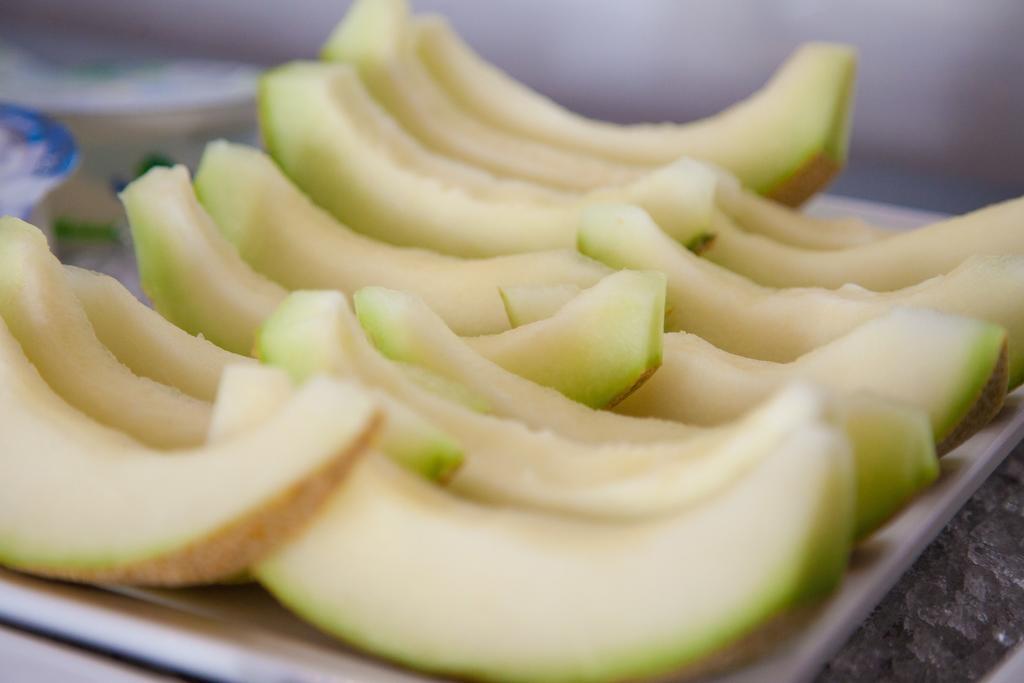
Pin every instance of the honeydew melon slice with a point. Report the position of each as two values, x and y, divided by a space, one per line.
624 313
147 342
317 143
510 463
751 320
902 260
374 38
283 235
543 581
952 367
406 330
778 222
41 311
193 276
786 141
86 503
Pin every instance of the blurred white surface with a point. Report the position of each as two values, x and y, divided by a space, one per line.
30 659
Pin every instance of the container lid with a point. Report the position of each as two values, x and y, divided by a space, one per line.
36 154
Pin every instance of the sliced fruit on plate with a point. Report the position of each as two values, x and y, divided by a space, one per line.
545 580
744 318
525 304
787 140
42 312
601 349
283 235
374 38
904 259
86 503
193 276
313 137
952 367
509 463
147 342
406 330
778 222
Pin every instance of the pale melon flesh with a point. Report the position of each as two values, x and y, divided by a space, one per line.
84 502
193 276
145 341
787 140
42 312
283 235
780 325
778 222
374 37
600 350
526 304
952 367
319 143
507 462
901 260
498 592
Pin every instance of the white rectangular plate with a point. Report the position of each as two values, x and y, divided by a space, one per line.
240 634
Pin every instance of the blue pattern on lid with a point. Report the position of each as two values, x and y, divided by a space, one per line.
36 154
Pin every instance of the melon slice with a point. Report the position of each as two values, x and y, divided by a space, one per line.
507 462
374 38
406 330
901 260
318 144
598 351
778 222
544 581
787 140
147 342
86 503
283 235
950 366
750 320
193 276
41 311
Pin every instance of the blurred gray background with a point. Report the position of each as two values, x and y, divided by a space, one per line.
940 103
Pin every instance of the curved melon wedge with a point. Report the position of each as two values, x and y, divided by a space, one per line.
145 341
780 223
282 234
604 345
786 141
193 276
780 325
544 580
374 37
901 260
42 312
953 367
86 503
320 145
406 330
509 463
